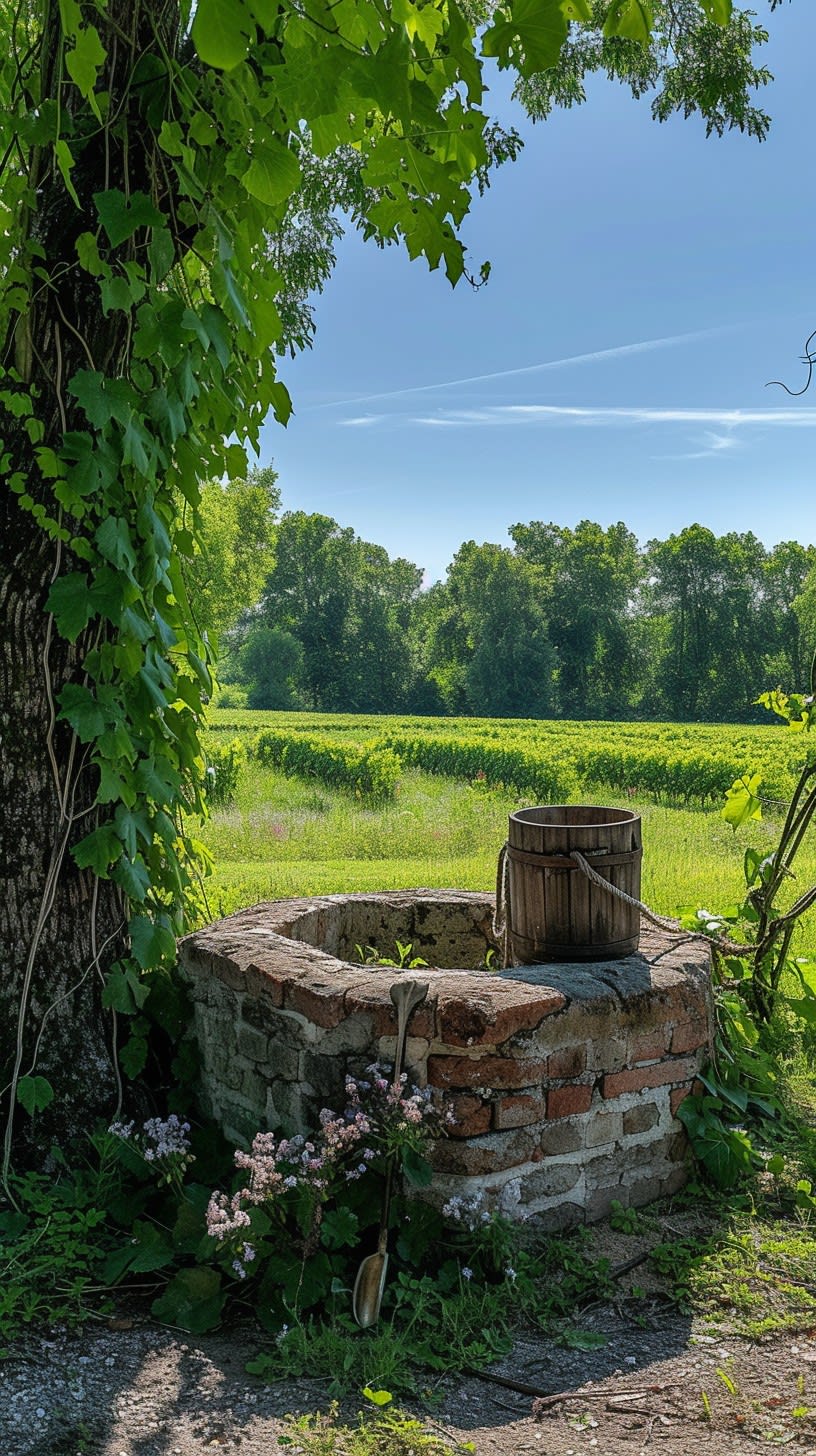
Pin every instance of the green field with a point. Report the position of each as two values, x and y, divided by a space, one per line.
285 835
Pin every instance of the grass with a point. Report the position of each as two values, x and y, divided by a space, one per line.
284 837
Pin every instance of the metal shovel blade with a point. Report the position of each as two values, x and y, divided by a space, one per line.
368 1290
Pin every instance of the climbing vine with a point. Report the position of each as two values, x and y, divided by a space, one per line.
148 151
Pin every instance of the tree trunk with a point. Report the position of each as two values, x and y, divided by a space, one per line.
60 928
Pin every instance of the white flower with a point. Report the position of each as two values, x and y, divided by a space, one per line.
467 1273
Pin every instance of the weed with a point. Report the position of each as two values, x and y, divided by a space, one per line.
384 1432
625 1220
403 958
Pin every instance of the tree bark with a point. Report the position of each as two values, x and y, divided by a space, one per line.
60 928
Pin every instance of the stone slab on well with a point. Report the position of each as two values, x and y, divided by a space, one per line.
564 1079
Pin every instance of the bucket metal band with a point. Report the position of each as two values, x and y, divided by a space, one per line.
601 859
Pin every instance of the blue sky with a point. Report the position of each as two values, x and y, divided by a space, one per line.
646 283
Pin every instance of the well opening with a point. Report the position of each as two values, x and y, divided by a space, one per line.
563 1079
447 937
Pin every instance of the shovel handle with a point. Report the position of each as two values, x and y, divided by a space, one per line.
406 995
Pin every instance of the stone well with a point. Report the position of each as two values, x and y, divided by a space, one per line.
564 1079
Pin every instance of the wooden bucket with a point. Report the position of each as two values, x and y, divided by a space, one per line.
555 912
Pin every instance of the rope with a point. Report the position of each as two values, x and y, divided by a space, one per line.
502 913
663 922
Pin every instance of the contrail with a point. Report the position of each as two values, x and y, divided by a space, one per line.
643 346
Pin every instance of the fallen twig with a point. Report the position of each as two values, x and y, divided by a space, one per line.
621 1269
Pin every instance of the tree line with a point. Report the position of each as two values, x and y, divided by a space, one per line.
578 622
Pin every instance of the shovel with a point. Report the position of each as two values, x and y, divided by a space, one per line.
370 1282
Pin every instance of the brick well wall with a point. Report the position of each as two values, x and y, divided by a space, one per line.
564 1080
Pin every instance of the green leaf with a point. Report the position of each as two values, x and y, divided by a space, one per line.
134 877
719 11
377 1397
83 63
71 602
742 802
113 788
101 398
116 294
803 1007
113 540
629 19
418 1171
121 216
273 174
124 991
150 942
98 850
133 1056
88 254
147 1250
531 33
161 253
221 33
159 782
192 1301
750 866
70 16
65 161
34 1094
79 707
339 1228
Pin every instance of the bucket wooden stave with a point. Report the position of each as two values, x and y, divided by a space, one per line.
556 913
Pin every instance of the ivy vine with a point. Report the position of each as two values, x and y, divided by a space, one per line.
148 150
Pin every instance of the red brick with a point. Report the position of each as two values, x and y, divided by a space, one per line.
261 983
688 1036
564 1101
678 1095
471 1017
484 1072
649 1046
567 1062
518 1111
660 1075
371 998
472 1116
320 1001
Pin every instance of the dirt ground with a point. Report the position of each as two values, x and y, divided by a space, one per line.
145 1391
659 1382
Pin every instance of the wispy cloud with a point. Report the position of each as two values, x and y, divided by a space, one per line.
359 422
712 444
595 356
599 416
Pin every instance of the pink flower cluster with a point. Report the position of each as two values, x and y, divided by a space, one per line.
378 1119
403 1114
276 1167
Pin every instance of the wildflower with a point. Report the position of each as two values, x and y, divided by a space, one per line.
123 1130
510 1274
467 1273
